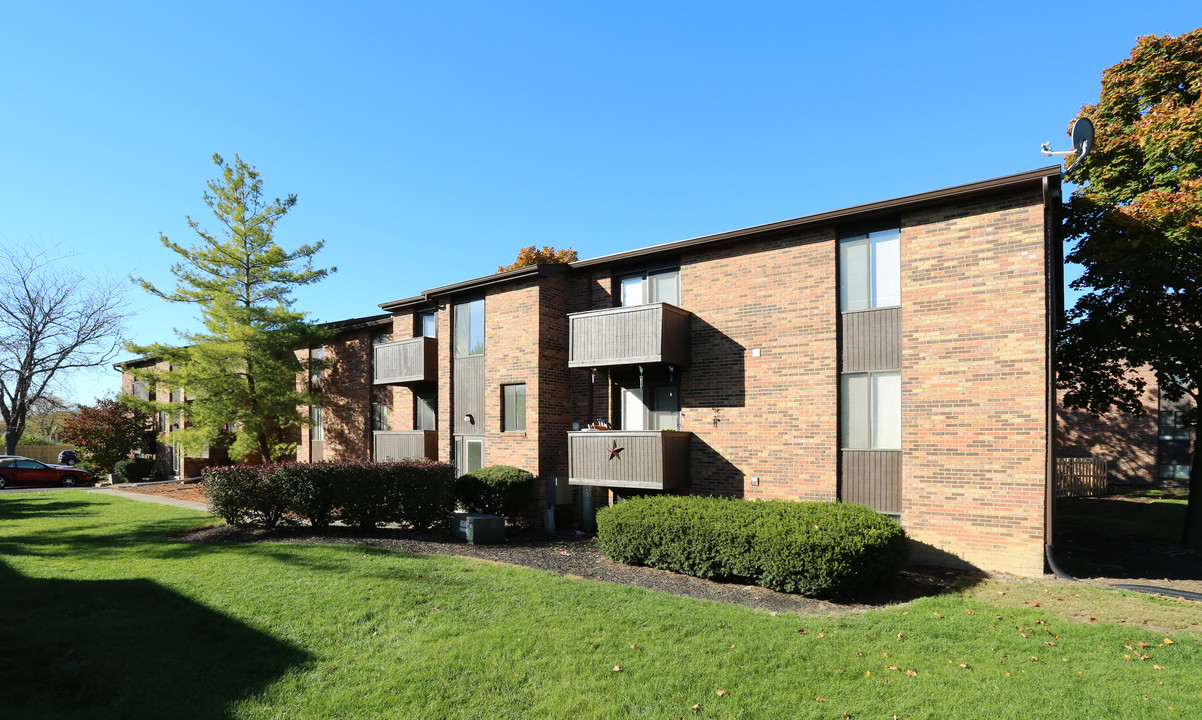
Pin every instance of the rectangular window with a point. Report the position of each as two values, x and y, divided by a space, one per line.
427 325
513 406
870 270
379 417
317 431
870 411
1172 425
659 411
425 412
380 337
471 455
655 286
1174 472
469 328
315 374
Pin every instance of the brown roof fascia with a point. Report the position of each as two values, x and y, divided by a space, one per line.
859 212
427 296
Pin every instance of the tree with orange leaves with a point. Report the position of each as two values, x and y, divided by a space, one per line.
531 255
1136 221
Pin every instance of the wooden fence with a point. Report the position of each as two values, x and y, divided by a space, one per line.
45 453
1080 477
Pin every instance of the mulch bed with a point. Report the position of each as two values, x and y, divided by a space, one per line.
572 556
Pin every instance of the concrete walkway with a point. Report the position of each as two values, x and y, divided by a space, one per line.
161 500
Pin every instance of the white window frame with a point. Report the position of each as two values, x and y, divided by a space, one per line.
647 287
876 268
873 415
513 407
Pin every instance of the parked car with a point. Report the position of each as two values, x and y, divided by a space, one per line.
68 457
17 470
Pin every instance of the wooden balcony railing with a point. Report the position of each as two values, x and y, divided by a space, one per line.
406 361
644 459
400 444
639 334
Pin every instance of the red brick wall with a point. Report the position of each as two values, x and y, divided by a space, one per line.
346 396
775 416
974 427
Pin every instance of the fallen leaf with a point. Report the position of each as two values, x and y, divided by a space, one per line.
885 654
937 615
719 693
1166 641
1006 674
1034 603
912 673
901 637
802 631
821 635
964 665
970 611
1142 644
859 654
732 647
697 707
1024 634
867 673
634 645
1041 622
617 668
1093 619
592 646
1158 667
1049 642
894 667
819 699
1126 656
1034 659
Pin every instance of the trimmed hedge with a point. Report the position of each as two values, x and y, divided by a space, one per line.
821 549
497 490
134 469
416 493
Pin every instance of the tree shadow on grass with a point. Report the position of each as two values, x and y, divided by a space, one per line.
126 649
1128 538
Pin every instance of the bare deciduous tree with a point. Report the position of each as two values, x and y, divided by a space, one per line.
52 321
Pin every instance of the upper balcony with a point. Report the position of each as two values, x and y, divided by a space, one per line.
407 361
633 335
643 459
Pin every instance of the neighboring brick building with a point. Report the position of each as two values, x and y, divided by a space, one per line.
895 354
1153 448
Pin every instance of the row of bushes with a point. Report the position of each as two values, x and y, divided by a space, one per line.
821 549
417 493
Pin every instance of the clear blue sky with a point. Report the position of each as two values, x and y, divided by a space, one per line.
428 141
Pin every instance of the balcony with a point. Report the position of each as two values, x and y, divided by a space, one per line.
407 361
639 334
397 445
643 459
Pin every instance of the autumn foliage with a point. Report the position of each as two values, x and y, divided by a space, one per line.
106 432
531 255
1136 223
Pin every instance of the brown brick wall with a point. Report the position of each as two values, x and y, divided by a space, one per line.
974 341
775 416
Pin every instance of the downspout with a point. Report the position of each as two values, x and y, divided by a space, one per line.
1053 309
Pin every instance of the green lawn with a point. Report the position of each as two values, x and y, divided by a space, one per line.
106 616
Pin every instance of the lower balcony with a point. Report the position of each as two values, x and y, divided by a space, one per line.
640 459
400 444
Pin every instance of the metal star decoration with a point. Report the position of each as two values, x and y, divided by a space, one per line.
615 450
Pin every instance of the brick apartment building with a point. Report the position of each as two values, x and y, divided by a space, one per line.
895 354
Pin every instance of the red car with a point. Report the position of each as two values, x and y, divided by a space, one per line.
16 470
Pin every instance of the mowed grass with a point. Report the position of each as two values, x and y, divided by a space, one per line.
105 615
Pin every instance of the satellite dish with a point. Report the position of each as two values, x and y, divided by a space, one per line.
1082 134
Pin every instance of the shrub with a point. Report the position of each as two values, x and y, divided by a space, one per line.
246 494
134 469
819 549
498 490
416 493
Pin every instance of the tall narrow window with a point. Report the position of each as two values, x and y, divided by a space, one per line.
871 411
425 412
469 328
379 417
471 455
427 325
315 374
513 404
870 270
317 431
